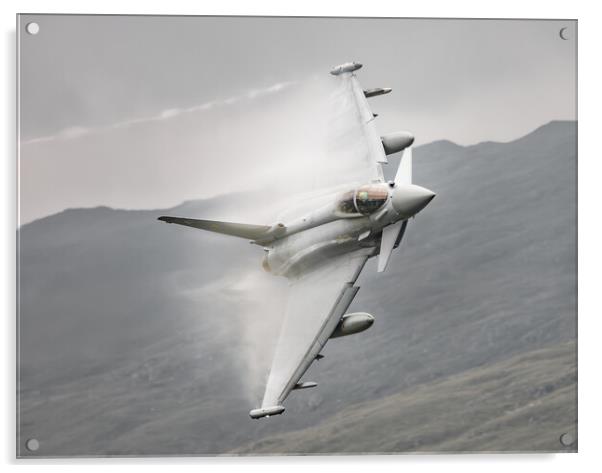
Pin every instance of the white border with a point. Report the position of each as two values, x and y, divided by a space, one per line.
589 234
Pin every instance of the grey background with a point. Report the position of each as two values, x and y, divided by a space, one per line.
138 338
95 86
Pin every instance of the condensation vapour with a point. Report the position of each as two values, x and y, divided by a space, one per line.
292 150
288 138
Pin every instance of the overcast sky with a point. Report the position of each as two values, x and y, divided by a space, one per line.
144 112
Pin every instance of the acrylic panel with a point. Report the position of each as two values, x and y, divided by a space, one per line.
431 162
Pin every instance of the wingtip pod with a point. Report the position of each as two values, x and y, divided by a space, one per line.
347 67
266 412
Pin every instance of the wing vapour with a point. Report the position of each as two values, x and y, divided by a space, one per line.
354 147
332 144
316 303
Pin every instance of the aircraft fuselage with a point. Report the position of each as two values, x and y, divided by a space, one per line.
347 222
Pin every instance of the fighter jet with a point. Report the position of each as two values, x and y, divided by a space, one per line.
323 251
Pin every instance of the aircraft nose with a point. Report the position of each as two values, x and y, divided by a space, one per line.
408 200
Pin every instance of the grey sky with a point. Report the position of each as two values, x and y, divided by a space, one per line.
463 80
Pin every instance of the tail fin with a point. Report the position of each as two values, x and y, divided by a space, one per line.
404 171
241 230
393 234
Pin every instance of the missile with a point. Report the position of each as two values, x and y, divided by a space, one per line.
347 67
266 412
377 91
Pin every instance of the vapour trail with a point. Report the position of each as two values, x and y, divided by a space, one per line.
77 131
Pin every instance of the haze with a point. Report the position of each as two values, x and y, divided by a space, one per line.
145 112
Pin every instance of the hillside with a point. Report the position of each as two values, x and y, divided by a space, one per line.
138 337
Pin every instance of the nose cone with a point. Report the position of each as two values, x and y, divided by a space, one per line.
408 200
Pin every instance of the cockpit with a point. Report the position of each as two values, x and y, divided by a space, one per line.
364 200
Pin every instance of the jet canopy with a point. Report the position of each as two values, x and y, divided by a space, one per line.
364 200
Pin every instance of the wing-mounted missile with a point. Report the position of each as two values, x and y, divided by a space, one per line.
347 67
376 91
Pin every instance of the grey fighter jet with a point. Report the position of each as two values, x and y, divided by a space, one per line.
323 251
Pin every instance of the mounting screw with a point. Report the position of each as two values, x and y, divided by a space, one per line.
32 445
567 439
32 28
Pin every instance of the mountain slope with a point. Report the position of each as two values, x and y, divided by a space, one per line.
528 395
138 337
